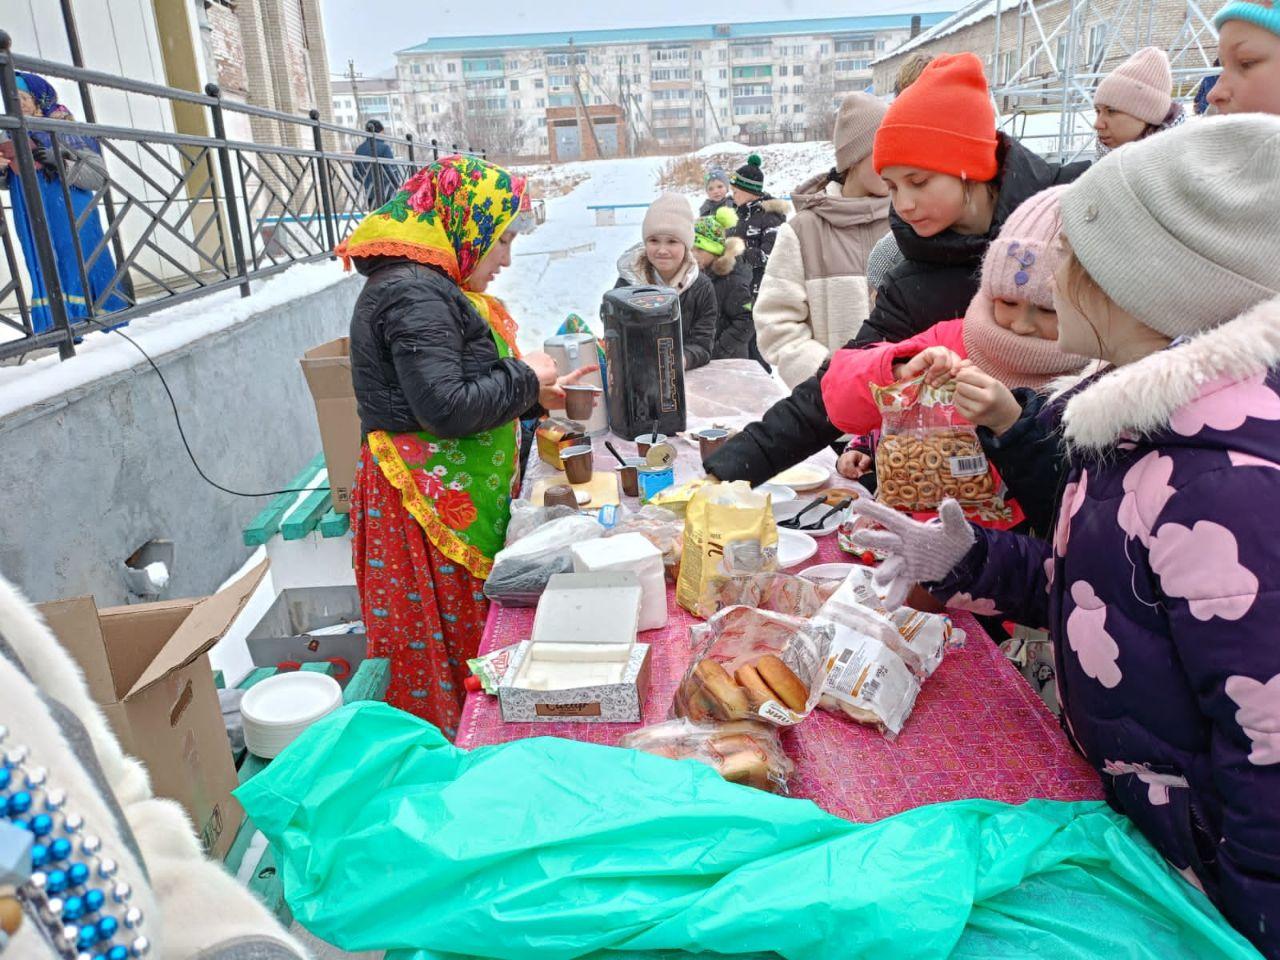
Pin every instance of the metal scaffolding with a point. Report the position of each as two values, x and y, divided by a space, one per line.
1048 97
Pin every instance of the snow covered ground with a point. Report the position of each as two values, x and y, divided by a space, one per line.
568 263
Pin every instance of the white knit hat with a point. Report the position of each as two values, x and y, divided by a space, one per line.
672 216
856 125
1180 229
1142 86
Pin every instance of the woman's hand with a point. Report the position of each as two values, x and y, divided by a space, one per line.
551 396
853 464
544 366
938 364
985 401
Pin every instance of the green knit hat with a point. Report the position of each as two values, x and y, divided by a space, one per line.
749 176
709 233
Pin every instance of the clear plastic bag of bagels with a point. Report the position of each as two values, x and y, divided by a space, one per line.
927 452
744 751
750 664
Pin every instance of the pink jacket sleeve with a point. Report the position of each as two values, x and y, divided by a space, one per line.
846 386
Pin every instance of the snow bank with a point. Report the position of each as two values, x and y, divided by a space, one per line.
104 354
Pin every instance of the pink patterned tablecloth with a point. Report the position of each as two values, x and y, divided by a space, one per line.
978 730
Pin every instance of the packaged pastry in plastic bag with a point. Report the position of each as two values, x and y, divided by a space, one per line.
775 591
752 664
919 639
661 527
729 530
743 752
521 571
927 451
868 682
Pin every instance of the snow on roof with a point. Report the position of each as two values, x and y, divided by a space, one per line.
707 31
975 12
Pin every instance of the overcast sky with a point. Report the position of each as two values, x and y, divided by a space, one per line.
370 32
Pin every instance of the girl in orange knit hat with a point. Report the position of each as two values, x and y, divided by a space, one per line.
953 180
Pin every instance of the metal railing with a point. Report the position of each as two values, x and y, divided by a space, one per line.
176 216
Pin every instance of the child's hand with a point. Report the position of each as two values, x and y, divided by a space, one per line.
985 401
938 364
853 464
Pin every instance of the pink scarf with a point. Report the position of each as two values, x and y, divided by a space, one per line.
1014 360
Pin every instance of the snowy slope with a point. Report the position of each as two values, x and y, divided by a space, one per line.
541 290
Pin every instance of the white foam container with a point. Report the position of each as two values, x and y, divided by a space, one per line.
635 553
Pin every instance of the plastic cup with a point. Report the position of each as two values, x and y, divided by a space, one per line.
580 400
709 441
577 463
630 479
647 440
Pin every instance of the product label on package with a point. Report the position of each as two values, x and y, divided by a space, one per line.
975 466
776 713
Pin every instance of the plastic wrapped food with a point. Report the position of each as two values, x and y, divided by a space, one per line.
927 451
776 592
521 571
920 639
489 668
527 517
729 531
661 527
868 682
744 752
752 664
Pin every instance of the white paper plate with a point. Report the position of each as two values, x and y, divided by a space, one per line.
778 493
785 511
794 548
804 476
280 708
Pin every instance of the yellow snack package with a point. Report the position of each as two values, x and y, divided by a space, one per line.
729 530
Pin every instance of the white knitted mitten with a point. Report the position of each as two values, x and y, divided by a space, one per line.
916 552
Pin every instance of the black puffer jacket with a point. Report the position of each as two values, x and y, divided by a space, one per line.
935 282
735 328
758 223
698 308
423 359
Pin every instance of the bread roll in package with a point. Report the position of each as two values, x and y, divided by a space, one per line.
751 664
743 752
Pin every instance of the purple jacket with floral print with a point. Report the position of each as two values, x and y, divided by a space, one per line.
1162 591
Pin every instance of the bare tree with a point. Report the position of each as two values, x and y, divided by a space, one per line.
820 103
501 135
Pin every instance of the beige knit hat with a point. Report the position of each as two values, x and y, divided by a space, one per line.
671 215
856 125
1180 229
1142 86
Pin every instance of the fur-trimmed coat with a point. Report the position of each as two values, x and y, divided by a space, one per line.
731 277
190 906
1161 589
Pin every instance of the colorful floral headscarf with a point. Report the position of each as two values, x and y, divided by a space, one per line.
46 98
449 215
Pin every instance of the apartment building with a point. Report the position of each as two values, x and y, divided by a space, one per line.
672 87
356 102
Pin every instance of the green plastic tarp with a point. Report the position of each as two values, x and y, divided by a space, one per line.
389 837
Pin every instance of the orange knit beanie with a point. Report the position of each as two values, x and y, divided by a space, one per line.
945 121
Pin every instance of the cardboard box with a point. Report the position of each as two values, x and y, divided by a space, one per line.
147 666
608 703
328 372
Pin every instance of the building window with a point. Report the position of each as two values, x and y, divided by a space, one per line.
542 121
798 89
1097 42
515 104
798 70
417 68
881 44
798 108
1007 66
541 103
451 68
538 84
1060 54
850 66
782 70
724 54
783 108
635 78
635 58
824 49
512 64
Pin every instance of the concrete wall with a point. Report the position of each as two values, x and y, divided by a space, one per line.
87 480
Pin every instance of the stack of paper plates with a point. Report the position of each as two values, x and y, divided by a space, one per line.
279 708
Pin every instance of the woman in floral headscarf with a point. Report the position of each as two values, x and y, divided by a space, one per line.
78 159
441 386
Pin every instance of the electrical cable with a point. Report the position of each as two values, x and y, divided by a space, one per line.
183 433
